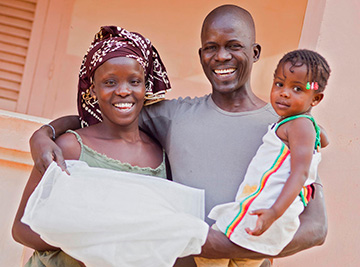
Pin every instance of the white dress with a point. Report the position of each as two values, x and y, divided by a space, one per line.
105 218
263 182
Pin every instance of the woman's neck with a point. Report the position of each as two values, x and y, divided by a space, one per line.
129 134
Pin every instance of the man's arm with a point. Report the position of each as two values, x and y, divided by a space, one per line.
313 225
312 232
43 148
324 139
218 246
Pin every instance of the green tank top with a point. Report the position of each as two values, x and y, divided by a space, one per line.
96 159
316 126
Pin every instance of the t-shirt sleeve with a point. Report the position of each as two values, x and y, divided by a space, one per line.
156 119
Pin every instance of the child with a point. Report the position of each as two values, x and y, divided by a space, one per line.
120 71
276 185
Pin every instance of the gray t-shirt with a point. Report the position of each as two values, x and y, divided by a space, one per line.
208 148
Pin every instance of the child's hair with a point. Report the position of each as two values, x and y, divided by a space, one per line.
318 70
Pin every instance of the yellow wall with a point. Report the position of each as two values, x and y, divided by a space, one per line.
328 26
15 166
64 29
174 28
333 28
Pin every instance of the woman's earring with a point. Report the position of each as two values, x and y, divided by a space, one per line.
93 96
95 99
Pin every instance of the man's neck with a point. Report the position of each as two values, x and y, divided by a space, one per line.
238 101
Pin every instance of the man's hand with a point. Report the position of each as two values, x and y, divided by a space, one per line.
44 151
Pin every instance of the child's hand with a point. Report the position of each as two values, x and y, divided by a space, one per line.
264 221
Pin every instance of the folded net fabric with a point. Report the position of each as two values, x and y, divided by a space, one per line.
109 218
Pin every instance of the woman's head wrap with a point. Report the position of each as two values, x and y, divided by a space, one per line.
110 42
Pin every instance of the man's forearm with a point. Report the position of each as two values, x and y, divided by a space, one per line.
312 232
218 246
313 226
62 124
44 150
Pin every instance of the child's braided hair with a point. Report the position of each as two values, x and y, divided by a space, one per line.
318 69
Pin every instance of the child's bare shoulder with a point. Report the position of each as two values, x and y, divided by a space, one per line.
300 124
301 132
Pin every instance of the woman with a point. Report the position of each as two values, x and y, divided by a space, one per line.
120 72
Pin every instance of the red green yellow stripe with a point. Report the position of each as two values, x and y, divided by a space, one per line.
309 191
244 205
305 194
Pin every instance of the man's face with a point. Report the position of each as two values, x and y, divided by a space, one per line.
227 53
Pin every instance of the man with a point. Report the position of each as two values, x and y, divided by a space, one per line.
211 140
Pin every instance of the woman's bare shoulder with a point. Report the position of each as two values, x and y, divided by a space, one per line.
69 146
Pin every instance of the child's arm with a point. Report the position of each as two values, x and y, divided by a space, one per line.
21 232
312 232
313 225
300 136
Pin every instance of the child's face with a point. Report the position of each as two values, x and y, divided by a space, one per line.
119 85
289 95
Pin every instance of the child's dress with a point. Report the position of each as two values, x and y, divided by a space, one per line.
263 182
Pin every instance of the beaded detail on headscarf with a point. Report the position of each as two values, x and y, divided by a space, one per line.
110 42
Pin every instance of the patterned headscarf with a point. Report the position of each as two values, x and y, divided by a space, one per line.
110 42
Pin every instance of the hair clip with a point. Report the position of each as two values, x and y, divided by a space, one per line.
312 86
316 86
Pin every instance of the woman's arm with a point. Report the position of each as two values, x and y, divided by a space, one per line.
44 150
21 232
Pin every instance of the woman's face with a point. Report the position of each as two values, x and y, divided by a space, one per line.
119 86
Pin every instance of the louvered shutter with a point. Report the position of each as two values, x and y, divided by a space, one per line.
16 20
